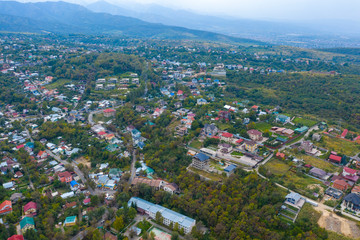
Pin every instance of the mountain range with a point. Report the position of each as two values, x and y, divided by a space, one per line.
63 17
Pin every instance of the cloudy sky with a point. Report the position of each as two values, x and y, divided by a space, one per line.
261 9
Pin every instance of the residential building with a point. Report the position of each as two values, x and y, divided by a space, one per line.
171 188
307 146
352 202
319 173
316 137
27 223
30 208
350 174
109 112
282 119
65 177
201 101
70 221
335 159
341 185
250 146
170 217
302 129
293 198
201 161
227 137
5 207
230 169
210 130
255 135
344 133
16 237
42 155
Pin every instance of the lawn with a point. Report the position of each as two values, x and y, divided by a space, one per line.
237 153
322 164
277 167
196 144
262 126
304 121
291 207
288 213
299 183
339 145
100 117
212 176
58 83
216 165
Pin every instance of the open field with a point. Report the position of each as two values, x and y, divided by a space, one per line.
322 164
262 126
84 161
340 146
57 83
277 167
304 121
212 176
196 144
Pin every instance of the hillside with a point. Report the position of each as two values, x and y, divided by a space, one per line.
61 17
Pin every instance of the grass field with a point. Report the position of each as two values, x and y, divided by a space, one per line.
212 176
301 183
237 153
196 144
101 117
339 145
277 167
262 126
304 121
322 164
57 83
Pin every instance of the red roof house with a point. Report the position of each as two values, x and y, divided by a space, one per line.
180 93
280 155
334 158
5 207
86 201
341 185
344 133
65 177
16 237
109 112
30 208
42 155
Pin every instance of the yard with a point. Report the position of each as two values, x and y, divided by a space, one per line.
262 126
101 118
304 121
277 167
58 83
196 144
322 164
339 145
212 176
235 153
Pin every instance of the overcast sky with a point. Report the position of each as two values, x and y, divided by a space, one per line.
262 9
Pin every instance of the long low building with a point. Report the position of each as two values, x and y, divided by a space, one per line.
169 216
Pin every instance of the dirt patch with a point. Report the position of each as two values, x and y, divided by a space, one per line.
332 222
84 161
314 186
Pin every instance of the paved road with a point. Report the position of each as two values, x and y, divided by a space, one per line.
132 169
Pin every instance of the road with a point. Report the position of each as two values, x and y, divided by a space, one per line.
133 170
76 169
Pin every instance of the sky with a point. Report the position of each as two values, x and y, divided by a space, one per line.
293 10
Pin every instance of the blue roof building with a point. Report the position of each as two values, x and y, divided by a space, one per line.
230 169
168 215
73 184
302 129
282 118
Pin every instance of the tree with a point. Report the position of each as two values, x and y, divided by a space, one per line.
119 223
159 218
175 236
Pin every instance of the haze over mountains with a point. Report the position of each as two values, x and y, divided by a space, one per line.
307 33
155 21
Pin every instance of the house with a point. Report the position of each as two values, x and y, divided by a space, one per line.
335 159
302 129
201 101
30 208
250 146
201 161
42 155
352 202
319 173
293 198
140 108
74 185
227 137
70 221
169 217
109 112
280 155
16 237
16 197
341 185
27 223
307 146
282 119
344 133
65 177
230 169
8 185
171 188
255 135
5 207
210 130
335 193
70 205
18 174
178 105
180 93
224 115
288 132
225 148
87 201
157 112
115 173
350 174
316 137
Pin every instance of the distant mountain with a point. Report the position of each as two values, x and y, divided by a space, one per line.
276 32
62 17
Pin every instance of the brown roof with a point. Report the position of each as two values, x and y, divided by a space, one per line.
150 182
70 205
254 132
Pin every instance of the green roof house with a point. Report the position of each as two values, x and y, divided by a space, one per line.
27 223
70 221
